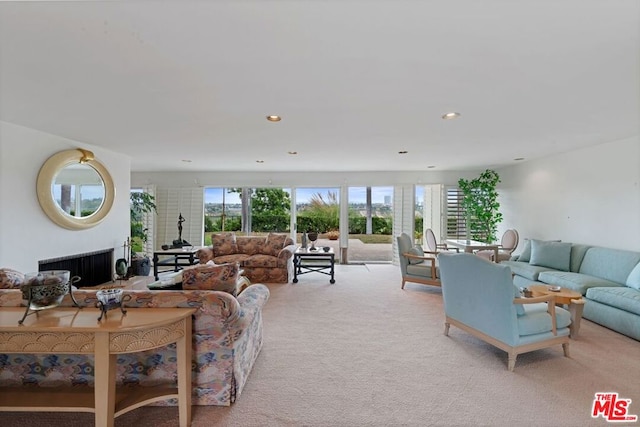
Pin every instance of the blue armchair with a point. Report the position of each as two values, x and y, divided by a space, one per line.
481 299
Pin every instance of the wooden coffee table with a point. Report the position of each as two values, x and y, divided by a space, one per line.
567 297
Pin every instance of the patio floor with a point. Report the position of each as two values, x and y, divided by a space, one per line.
361 252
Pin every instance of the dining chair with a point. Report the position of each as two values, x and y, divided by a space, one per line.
508 244
433 244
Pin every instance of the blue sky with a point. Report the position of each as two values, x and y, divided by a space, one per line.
303 195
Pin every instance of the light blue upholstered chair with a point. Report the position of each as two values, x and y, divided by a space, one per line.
416 265
481 299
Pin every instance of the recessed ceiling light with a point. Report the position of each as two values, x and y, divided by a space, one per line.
274 118
186 160
259 161
452 115
402 152
293 153
518 159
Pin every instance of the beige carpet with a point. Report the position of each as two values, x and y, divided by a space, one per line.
363 352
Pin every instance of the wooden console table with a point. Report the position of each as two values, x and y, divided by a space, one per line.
64 330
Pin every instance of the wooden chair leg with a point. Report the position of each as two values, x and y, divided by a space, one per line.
446 328
403 281
565 348
512 361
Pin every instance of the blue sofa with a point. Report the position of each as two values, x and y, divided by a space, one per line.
608 279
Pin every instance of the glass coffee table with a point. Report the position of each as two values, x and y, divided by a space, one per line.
567 297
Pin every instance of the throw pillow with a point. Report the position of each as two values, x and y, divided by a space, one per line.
10 278
556 255
222 277
250 245
525 256
418 251
633 281
274 244
223 244
204 255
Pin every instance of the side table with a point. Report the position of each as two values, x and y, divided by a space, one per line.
308 261
177 258
567 297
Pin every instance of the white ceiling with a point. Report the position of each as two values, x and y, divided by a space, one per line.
355 81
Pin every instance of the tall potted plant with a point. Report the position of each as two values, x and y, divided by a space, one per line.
480 203
141 203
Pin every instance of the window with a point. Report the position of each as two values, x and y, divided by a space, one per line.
222 210
318 209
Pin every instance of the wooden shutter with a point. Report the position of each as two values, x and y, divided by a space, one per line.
455 218
404 200
171 203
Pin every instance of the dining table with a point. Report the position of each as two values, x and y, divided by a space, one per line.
471 246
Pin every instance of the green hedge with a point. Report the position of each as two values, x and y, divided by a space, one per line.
320 224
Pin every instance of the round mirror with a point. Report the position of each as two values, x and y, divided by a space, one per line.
75 190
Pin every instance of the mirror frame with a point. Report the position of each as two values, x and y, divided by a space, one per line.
47 175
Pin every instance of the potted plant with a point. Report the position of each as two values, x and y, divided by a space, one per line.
140 203
333 234
480 203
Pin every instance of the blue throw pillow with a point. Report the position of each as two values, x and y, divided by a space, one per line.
525 256
633 281
556 255
418 251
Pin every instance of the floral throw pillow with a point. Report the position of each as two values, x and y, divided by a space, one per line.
10 278
274 244
224 244
222 277
250 245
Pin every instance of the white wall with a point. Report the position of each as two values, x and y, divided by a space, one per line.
26 233
587 196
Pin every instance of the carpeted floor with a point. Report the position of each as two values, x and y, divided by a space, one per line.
363 352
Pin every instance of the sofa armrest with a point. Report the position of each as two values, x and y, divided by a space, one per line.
204 255
287 252
251 301
425 258
551 304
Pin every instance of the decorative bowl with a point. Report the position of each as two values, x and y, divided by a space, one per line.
109 297
326 248
45 289
554 288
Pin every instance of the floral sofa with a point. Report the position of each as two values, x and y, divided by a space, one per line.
263 259
227 337
608 279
